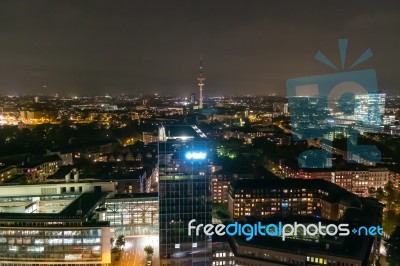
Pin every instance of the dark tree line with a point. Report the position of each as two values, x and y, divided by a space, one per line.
15 140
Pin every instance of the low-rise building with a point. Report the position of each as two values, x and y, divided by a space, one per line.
7 173
38 171
54 230
356 179
315 197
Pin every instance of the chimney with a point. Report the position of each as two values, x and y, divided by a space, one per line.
68 178
101 214
76 177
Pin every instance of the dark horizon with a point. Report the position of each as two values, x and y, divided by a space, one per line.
145 47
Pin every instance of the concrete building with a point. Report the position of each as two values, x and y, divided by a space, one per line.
316 250
38 171
54 230
313 197
356 179
34 117
7 172
220 188
306 202
149 137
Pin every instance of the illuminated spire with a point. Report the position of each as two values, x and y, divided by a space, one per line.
201 79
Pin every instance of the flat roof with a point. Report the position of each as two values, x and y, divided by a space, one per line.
135 196
79 208
335 192
352 246
184 131
5 168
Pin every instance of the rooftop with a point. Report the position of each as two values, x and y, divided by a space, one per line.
44 159
183 131
352 246
335 192
79 208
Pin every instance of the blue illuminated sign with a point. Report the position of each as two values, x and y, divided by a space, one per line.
195 155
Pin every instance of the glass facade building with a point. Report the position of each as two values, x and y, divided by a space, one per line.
184 194
369 109
76 235
135 215
64 245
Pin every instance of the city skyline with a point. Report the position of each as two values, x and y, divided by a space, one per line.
202 133
134 48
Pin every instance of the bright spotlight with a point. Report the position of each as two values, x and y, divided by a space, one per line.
195 155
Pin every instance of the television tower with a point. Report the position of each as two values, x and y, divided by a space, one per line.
201 79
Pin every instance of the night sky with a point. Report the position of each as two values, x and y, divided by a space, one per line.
250 47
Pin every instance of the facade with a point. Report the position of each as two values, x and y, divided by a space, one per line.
394 176
288 197
245 134
306 202
74 235
222 252
369 108
356 179
62 187
149 137
34 117
272 252
135 214
39 171
220 189
378 177
184 194
67 157
7 172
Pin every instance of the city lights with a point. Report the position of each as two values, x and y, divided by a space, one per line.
172 135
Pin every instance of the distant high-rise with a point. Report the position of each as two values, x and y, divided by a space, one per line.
192 98
369 109
201 79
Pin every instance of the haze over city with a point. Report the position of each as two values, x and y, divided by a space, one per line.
144 47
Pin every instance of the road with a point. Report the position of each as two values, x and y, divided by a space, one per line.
134 254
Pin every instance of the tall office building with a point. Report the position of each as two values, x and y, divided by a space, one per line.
369 109
184 194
